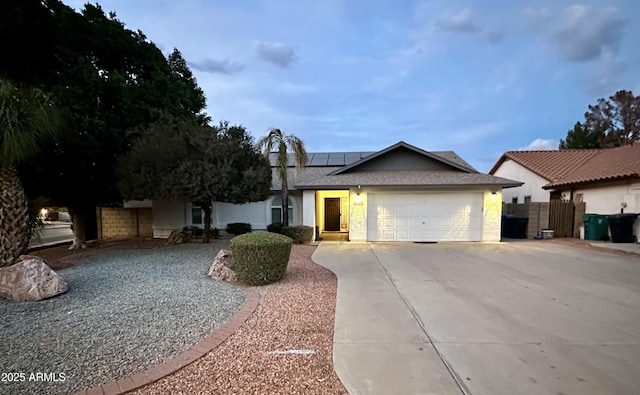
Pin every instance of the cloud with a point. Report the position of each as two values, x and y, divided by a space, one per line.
277 53
585 33
224 66
458 23
540 145
462 23
606 76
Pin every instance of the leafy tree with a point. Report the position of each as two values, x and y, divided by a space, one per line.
580 137
283 144
616 121
27 120
196 164
110 82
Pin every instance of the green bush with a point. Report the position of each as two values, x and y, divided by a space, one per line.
300 234
275 227
238 228
261 257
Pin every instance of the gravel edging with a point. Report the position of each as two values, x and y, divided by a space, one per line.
125 311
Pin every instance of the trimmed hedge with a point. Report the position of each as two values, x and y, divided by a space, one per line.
275 227
300 234
238 228
260 258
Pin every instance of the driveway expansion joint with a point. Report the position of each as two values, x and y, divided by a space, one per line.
190 355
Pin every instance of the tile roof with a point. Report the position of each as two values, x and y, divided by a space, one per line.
551 165
578 166
607 165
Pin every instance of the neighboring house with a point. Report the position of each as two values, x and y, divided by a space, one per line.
401 193
605 179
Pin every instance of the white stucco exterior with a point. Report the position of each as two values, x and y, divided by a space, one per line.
607 199
532 186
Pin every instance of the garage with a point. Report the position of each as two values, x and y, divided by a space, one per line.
455 216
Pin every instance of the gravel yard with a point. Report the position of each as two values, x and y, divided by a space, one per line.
285 347
126 310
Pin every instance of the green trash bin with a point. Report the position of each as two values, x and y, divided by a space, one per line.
596 227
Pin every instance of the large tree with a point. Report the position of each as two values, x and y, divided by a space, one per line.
109 81
27 121
283 146
615 120
580 138
196 164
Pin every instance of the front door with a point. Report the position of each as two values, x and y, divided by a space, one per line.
332 214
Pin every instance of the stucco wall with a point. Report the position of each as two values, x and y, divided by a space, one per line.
344 208
532 186
607 199
168 215
357 215
258 214
491 216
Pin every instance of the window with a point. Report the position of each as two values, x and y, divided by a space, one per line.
196 215
527 199
276 210
514 200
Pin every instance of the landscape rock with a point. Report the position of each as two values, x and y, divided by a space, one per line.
176 237
30 279
221 267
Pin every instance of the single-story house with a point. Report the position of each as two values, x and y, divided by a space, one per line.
607 179
401 193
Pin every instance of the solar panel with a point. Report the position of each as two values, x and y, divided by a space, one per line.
336 159
319 160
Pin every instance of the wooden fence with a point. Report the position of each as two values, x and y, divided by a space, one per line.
538 214
563 217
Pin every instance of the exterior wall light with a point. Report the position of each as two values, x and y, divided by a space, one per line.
494 195
358 199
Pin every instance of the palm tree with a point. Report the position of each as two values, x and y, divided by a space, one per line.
26 120
282 145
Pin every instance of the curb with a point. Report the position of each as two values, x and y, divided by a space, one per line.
194 353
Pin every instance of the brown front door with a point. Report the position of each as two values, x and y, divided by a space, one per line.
332 214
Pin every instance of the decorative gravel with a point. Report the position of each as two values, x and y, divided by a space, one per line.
126 310
285 347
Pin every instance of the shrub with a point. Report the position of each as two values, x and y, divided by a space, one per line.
238 228
300 234
214 232
275 227
261 257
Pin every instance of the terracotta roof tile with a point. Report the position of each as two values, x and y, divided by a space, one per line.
551 165
607 164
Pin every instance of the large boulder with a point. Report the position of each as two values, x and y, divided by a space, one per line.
178 237
30 279
221 267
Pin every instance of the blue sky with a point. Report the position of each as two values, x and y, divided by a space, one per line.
478 78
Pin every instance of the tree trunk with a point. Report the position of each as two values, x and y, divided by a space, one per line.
207 222
78 221
285 202
14 217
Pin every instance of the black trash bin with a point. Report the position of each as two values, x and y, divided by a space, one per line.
514 227
621 226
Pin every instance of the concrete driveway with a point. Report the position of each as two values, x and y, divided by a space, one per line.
506 318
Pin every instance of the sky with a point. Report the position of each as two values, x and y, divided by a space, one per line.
477 78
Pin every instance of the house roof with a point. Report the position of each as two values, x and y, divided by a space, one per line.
402 144
550 165
404 178
323 175
607 165
578 166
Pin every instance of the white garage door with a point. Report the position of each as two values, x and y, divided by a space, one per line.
424 216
